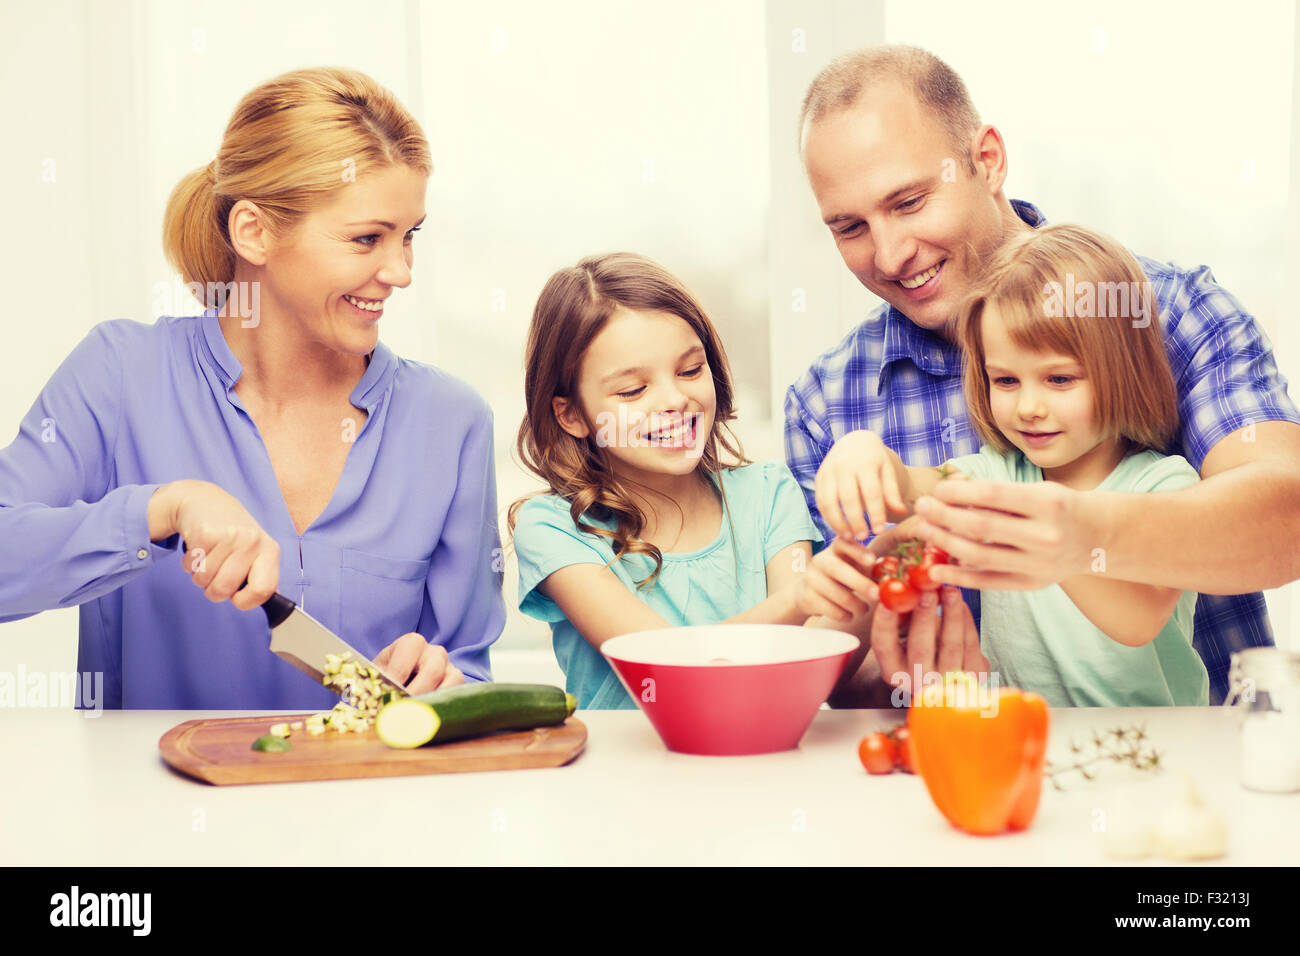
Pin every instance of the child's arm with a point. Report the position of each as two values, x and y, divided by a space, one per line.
600 606
834 592
1125 611
860 474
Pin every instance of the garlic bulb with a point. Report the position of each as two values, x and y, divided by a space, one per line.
1189 830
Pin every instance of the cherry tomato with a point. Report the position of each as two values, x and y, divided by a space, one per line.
886 567
898 596
937 555
903 747
878 753
918 575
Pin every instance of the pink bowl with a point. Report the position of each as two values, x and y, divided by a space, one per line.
730 688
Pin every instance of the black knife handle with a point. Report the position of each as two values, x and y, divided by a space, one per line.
277 607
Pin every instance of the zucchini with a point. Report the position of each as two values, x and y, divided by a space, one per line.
471 710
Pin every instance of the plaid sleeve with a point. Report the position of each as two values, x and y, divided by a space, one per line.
807 442
1223 364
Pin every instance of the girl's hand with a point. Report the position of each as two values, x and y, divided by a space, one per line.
836 584
418 665
858 476
225 546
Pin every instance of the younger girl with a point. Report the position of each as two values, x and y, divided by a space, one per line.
1067 380
628 399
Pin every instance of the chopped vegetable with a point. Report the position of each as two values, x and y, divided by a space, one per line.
363 694
272 744
279 730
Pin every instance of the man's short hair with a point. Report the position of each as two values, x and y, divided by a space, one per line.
937 87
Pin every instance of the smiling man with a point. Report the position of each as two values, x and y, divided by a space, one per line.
910 184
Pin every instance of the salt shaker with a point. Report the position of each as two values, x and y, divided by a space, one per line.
1265 683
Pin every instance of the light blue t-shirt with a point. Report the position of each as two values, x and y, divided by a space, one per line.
764 512
1041 641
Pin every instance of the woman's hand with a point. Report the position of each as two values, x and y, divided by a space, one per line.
856 476
224 545
418 665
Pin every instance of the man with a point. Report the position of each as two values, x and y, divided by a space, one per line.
910 184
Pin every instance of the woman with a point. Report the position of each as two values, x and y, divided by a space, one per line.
274 436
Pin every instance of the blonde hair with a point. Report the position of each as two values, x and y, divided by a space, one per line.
573 307
936 86
1120 347
290 144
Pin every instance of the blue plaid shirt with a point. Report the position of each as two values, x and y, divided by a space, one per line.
904 383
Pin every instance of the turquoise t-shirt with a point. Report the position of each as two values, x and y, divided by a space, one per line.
767 513
1041 641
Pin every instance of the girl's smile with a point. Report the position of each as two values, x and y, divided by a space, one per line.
646 395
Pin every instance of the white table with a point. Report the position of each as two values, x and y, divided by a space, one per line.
82 791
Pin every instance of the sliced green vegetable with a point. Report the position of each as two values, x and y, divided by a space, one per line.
474 710
272 744
407 723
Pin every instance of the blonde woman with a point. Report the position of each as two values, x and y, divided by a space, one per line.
274 436
1067 380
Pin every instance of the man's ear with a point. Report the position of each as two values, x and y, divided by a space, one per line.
989 154
570 417
248 234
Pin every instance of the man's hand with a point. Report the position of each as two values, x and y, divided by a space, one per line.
933 643
1007 536
418 665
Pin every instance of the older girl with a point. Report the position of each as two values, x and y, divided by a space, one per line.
653 517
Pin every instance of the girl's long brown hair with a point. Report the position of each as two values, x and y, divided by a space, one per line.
574 306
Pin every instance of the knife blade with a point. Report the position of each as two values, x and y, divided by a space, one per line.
306 643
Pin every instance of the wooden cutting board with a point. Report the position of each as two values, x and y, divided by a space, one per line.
219 751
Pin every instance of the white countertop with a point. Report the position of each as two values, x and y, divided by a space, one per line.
88 792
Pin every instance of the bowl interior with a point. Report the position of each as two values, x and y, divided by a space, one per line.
728 645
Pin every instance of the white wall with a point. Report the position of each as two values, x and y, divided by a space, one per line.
576 127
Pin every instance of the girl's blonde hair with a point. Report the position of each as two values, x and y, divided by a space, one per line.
291 143
1070 290
574 306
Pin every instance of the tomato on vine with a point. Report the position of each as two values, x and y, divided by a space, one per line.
898 595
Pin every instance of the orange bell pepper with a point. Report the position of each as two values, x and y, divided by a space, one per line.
982 761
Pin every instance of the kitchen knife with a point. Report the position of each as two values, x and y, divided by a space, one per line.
305 643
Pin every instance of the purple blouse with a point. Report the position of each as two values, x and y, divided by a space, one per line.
408 542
